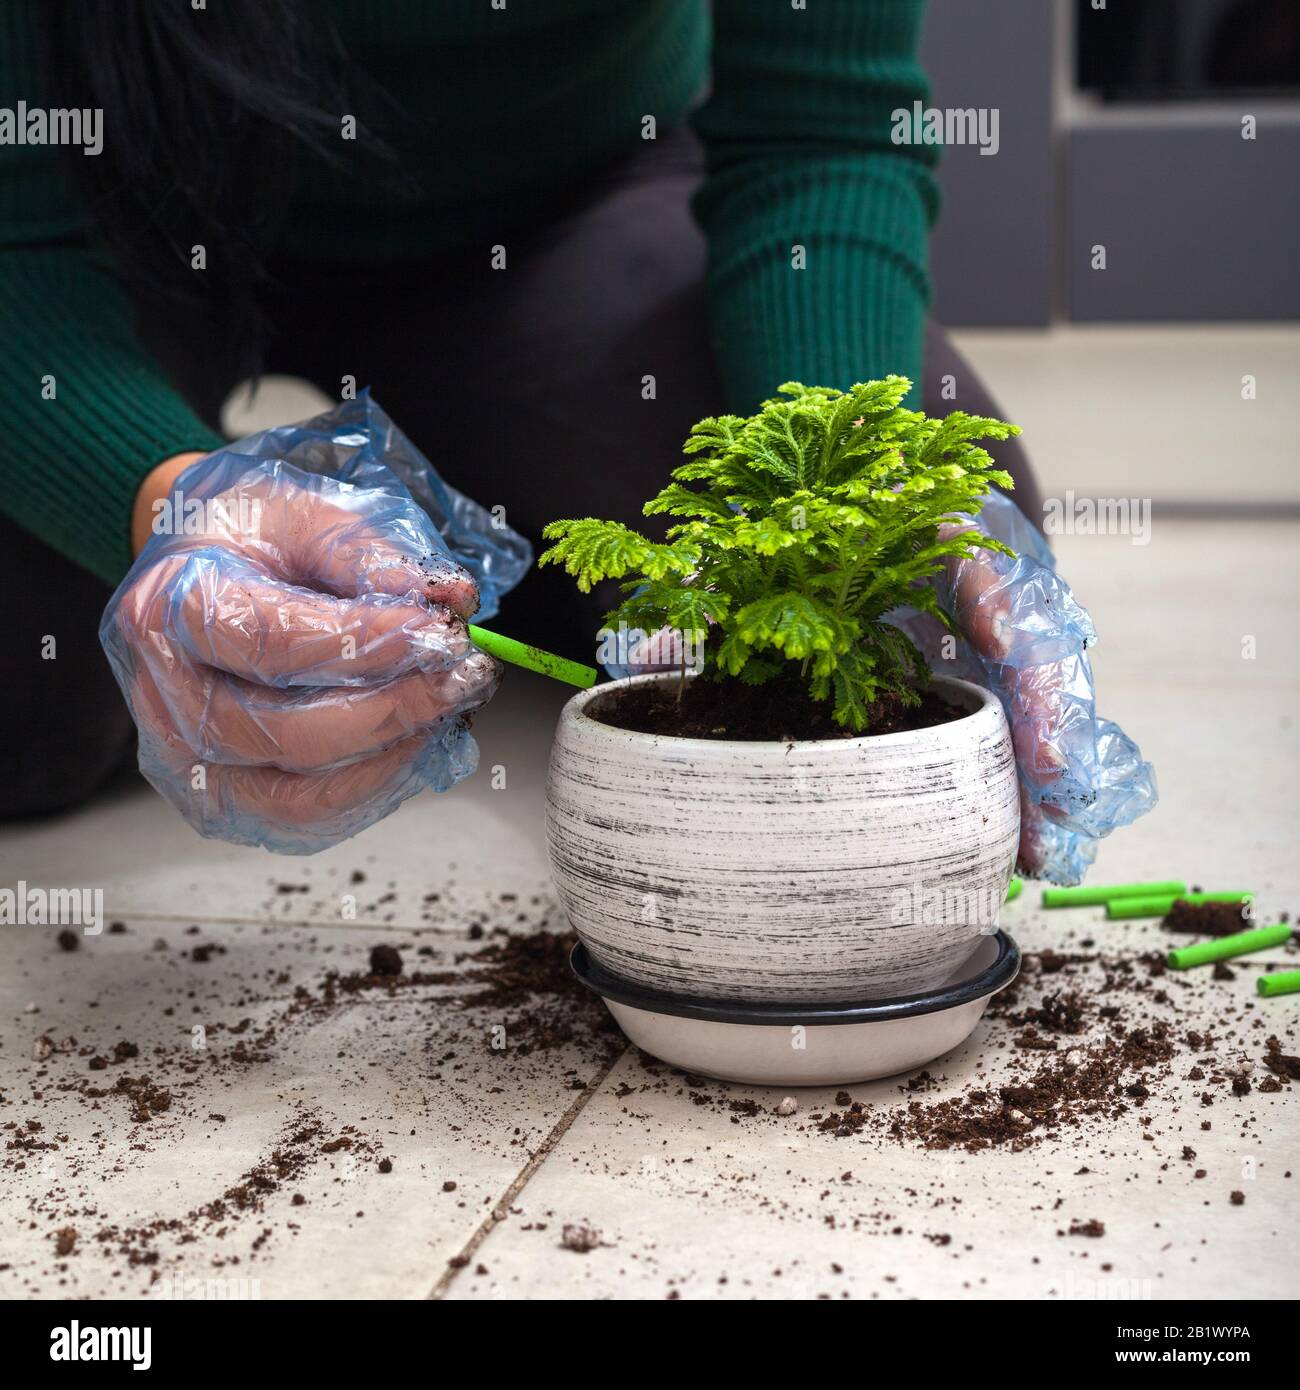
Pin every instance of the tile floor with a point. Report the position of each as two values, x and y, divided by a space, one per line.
1152 410
687 1199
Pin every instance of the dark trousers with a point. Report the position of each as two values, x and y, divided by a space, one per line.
523 386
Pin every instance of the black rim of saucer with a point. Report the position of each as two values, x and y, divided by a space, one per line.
997 975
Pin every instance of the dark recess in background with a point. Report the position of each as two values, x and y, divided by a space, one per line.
1180 50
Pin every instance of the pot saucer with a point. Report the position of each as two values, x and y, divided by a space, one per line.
809 1045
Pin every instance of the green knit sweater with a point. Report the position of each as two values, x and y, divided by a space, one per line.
500 107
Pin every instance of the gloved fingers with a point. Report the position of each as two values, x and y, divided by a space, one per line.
283 805
292 812
360 555
1055 731
314 730
199 714
357 444
982 608
451 587
155 719
1000 610
314 530
229 616
1034 700
1052 850
1029 858
1040 831
980 602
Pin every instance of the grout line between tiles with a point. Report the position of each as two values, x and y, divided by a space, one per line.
522 1178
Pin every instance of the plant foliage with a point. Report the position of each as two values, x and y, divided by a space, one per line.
799 530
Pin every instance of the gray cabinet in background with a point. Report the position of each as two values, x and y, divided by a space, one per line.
1196 222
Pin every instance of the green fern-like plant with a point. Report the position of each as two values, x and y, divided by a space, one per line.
800 529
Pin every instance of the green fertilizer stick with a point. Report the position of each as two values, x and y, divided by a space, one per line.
534 658
1157 907
1284 982
1093 895
1240 943
1014 890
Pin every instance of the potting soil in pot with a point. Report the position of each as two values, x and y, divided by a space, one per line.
780 710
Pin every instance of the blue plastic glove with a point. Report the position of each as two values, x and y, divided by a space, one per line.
291 641
1026 638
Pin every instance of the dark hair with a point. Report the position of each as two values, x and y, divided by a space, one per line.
204 112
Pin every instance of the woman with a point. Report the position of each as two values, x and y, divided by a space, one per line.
527 228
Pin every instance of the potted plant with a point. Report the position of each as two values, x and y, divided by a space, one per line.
801 811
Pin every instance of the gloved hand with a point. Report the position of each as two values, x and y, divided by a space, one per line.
291 640
1026 638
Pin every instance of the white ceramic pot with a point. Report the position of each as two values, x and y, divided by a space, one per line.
819 871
